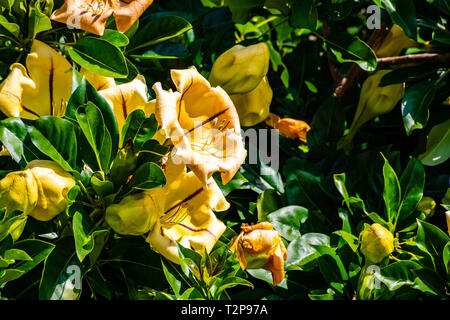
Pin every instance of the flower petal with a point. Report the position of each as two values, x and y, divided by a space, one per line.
89 16
97 81
126 98
11 90
127 12
203 125
51 74
253 107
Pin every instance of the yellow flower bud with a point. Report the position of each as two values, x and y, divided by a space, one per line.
427 205
19 191
253 107
53 186
136 214
240 69
395 41
260 246
376 243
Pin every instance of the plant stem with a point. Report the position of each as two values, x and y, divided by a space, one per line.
429 58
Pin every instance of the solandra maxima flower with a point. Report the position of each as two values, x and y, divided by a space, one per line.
202 124
260 246
92 15
241 72
186 213
40 89
39 191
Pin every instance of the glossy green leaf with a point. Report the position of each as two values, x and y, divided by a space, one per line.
85 93
139 128
288 220
158 30
391 192
412 182
403 13
148 176
301 251
268 201
438 145
63 273
415 105
99 56
347 48
304 14
91 122
115 37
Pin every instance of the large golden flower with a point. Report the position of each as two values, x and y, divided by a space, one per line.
39 191
260 246
203 125
92 15
40 89
185 211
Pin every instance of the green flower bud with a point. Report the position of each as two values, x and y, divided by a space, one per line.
427 205
376 243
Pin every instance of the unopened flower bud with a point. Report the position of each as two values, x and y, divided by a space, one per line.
240 69
427 206
136 214
376 243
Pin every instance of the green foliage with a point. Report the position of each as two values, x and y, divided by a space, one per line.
319 199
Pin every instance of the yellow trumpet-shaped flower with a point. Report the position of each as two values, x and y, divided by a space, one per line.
253 107
240 69
203 125
395 41
43 90
92 15
186 213
39 191
126 98
260 246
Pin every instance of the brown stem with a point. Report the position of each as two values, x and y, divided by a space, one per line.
442 60
355 72
331 65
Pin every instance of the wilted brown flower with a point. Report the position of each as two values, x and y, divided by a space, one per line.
260 246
